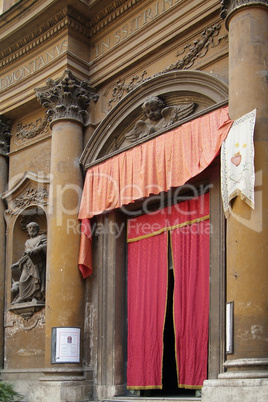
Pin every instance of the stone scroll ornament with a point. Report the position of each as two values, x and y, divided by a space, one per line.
158 117
32 267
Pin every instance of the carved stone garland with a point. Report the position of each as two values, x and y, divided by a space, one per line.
209 39
31 130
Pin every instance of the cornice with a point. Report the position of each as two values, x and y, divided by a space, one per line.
110 14
66 18
228 7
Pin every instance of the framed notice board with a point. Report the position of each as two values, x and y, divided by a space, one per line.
65 345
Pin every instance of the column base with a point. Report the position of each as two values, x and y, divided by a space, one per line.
108 391
58 385
235 390
246 381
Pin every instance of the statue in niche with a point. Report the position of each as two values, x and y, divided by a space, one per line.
158 116
32 265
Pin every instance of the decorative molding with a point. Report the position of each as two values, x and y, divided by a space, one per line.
229 6
68 17
110 14
121 88
30 191
197 49
66 98
37 196
26 311
33 196
31 130
175 87
5 135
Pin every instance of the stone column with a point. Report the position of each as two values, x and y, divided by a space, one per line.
66 100
246 375
4 148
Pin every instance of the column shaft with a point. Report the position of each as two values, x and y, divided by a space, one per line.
247 230
3 187
64 296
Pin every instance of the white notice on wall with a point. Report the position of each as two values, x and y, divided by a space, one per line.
229 327
67 345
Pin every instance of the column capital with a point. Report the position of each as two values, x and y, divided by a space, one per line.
228 7
66 98
5 134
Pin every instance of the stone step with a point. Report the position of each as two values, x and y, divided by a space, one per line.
153 399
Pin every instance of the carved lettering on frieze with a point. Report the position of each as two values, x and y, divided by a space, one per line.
31 130
197 49
132 23
66 17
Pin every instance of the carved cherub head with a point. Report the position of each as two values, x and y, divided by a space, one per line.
152 108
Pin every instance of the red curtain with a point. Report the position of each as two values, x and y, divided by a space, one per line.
188 223
190 251
147 293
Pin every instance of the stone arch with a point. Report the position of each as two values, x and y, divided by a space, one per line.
175 87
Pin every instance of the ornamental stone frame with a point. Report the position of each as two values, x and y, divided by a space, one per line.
106 302
175 87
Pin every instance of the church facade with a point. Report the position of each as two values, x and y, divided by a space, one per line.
129 269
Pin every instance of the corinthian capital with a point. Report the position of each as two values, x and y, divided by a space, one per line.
66 98
229 6
5 134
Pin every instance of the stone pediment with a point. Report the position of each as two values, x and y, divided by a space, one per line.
30 190
185 95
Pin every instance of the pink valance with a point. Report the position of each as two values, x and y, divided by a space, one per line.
166 161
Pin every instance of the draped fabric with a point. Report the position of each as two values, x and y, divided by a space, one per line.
237 162
169 160
147 287
188 225
190 251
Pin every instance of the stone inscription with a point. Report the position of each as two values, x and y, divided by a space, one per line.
133 24
33 65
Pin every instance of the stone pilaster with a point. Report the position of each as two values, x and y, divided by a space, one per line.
4 148
246 370
67 100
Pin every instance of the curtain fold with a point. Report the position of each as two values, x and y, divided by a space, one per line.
147 294
190 252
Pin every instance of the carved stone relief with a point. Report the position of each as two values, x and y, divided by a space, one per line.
32 267
27 201
192 51
31 130
38 196
158 116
